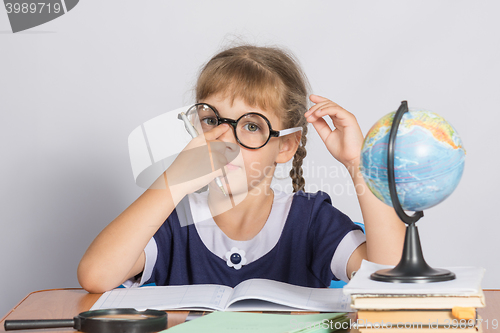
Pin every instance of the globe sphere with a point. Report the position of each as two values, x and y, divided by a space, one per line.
429 159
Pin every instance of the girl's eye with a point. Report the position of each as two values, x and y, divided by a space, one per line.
251 127
210 121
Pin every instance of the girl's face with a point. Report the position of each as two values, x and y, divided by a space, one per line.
252 170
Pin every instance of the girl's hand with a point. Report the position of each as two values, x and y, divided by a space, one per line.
344 142
200 162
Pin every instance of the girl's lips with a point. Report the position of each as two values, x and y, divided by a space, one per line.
231 167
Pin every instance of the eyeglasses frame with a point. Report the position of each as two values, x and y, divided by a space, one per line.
233 123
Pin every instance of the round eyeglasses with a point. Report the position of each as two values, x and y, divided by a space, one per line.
252 130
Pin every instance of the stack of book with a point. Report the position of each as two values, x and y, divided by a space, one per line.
416 307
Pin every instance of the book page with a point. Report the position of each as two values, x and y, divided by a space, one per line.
166 297
254 304
467 282
295 297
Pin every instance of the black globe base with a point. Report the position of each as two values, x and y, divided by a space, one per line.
412 268
397 276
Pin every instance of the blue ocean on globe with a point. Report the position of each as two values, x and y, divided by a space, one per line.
428 161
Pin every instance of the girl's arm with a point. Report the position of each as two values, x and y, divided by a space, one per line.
384 230
117 253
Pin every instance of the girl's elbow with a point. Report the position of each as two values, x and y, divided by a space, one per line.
92 288
92 280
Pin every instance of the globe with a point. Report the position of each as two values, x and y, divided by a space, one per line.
428 159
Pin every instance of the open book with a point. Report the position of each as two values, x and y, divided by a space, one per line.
249 295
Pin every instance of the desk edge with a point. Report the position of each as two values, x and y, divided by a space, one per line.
31 293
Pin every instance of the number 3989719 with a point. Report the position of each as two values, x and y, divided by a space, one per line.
32 7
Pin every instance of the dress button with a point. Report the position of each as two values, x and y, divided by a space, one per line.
235 258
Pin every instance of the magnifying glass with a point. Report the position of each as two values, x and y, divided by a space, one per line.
101 321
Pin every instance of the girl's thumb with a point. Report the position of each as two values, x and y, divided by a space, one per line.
216 132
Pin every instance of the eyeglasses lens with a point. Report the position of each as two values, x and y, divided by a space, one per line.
252 130
202 117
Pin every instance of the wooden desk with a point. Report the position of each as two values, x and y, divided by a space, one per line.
67 303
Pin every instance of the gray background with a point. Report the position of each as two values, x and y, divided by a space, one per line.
73 89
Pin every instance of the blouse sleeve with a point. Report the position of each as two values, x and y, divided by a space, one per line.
151 253
332 237
159 249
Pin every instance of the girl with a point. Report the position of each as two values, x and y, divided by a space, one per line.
245 96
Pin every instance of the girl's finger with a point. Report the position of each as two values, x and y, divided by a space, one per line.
338 114
321 108
317 98
316 107
321 103
322 128
214 133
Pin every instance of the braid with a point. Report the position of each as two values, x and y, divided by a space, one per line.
296 173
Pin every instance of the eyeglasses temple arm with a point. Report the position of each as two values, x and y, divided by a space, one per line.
189 127
289 131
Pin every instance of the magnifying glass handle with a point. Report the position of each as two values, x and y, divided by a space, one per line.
11 325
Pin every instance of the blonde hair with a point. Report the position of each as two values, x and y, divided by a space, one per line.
265 77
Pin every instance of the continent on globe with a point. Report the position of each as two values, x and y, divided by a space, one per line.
428 159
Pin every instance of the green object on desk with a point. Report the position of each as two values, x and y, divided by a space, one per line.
234 322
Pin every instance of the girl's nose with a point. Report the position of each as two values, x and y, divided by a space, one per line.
228 137
226 145
231 148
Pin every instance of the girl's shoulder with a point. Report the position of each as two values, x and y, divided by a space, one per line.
318 198
313 196
316 205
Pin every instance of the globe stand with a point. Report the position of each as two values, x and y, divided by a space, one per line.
412 267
